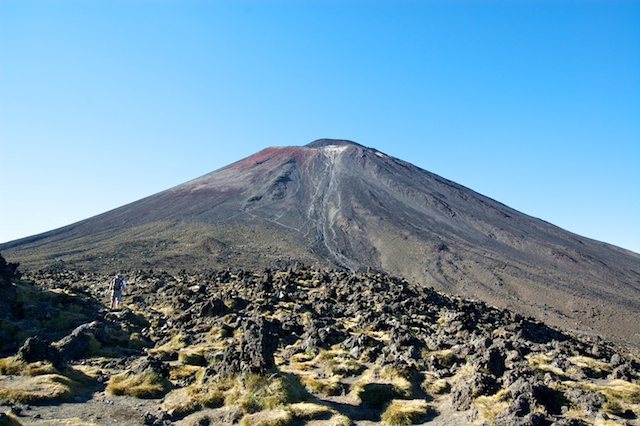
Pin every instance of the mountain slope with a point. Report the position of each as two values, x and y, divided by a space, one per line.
338 203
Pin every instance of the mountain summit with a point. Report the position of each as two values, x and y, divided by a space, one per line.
337 203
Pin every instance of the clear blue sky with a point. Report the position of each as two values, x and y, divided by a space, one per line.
533 103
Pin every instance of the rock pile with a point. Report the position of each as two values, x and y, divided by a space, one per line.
345 337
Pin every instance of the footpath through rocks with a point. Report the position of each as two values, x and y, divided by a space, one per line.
298 346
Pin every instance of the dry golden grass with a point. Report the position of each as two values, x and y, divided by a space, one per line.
39 368
490 406
618 390
310 411
343 365
256 392
620 395
166 310
207 396
613 390
328 387
193 356
402 412
11 366
302 361
274 417
434 385
178 372
181 402
377 386
598 367
38 381
27 389
542 362
148 384
339 420
165 351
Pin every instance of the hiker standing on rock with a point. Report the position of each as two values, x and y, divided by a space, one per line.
117 286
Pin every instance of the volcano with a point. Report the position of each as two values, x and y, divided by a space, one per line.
338 204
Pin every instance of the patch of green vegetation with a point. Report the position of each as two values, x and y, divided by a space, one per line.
170 349
192 356
64 320
8 327
137 341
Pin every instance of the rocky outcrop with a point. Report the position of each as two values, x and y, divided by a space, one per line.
365 336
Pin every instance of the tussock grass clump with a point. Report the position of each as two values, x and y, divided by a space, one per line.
184 371
434 385
275 417
65 319
343 365
490 406
170 349
542 362
614 390
191 356
11 366
613 407
207 396
146 385
257 392
328 387
594 367
309 411
340 420
37 381
378 386
620 396
302 361
402 412
137 341
37 389
40 368
618 390
181 403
